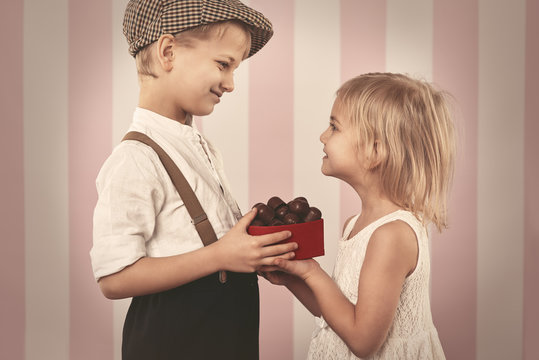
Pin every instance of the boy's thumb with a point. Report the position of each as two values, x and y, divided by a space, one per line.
247 218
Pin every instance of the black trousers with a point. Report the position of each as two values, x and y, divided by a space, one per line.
201 320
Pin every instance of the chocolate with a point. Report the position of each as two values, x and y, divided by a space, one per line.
291 218
276 212
257 222
313 214
276 222
265 213
275 202
281 211
299 207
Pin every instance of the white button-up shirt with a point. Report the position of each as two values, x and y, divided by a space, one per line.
139 212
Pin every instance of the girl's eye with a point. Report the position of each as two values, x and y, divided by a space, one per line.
332 127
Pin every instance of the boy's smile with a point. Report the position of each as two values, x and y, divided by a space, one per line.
204 70
218 94
193 74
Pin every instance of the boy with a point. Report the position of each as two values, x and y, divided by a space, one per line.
145 245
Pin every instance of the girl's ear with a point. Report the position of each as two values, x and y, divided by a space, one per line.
165 52
376 155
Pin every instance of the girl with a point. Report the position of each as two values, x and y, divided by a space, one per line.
392 139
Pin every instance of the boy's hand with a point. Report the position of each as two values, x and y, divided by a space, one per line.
241 252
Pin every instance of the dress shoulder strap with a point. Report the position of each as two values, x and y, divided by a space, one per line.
348 229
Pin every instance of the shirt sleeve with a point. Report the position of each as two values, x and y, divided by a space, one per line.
130 195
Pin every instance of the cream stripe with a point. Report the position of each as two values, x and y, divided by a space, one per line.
227 128
316 78
409 37
124 100
500 179
125 87
46 194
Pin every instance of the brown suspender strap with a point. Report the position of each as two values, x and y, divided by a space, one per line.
198 216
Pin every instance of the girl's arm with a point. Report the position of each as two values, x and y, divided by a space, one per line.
295 284
236 251
390 257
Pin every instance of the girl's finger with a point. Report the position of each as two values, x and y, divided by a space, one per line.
273 263
264 269
281 263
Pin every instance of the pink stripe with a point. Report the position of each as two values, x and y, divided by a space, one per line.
90 134
363 41
531 179
271 156
12 266
455 69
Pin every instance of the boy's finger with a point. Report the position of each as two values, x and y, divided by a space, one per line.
279 249
273 238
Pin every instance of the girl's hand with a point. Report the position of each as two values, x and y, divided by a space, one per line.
276 277
300 268
293 274
238 251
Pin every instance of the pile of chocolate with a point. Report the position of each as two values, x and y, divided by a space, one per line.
277 212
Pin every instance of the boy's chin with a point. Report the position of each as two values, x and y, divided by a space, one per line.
203 112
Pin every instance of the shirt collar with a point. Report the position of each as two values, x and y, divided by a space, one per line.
165 125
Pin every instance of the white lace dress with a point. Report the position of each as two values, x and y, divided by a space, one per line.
412 334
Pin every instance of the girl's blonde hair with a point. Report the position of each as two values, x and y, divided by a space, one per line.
144 58
407 127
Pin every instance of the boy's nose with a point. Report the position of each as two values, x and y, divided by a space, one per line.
228 84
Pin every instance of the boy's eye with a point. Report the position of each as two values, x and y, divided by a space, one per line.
223 64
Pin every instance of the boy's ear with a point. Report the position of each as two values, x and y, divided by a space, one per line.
165 51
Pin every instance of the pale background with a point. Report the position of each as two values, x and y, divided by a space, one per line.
68 90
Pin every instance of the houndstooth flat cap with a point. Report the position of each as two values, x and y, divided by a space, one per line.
146 20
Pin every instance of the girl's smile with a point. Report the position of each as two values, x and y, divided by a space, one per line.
339 142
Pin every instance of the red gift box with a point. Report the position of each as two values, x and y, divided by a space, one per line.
309 236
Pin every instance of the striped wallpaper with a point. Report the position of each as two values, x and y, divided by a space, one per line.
68 90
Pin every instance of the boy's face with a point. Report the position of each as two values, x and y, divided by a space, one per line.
204 71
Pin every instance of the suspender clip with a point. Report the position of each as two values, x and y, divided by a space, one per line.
198 219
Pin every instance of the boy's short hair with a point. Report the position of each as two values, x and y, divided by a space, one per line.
145 60
146 20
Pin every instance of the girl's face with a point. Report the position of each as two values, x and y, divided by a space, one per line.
203 72
343 159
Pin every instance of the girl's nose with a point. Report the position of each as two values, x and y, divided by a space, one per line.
323 136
